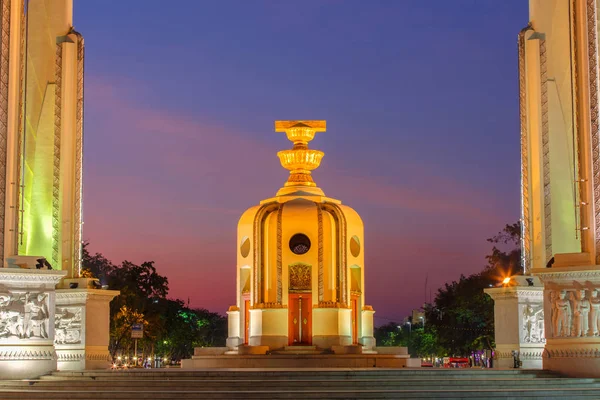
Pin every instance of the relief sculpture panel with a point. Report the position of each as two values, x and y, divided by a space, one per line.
67 325
533 324
24 315
575 312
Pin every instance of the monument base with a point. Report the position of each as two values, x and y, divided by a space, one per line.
302 361
579 357
82 326
27 301
519 322
572 304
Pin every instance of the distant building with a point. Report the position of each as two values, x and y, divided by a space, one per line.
418 316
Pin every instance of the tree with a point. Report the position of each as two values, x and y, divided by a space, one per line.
420 342
462 315
170 328
120 330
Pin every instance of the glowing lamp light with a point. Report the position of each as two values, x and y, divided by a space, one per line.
506 281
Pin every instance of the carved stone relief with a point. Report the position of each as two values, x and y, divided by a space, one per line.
24 315
533 324
594 312
67 324
575 312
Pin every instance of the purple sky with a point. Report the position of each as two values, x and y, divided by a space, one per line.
421 103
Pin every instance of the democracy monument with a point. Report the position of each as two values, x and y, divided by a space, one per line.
300 295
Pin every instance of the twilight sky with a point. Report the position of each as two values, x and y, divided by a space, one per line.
421 103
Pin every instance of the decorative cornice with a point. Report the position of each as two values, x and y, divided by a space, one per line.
93 356
523 355
13 355
8 275
330 304
70 355
515 293
571 353
74 296
268 305
561 276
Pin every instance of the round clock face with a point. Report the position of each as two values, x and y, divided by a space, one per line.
299 244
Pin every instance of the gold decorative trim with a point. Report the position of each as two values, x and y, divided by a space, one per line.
320 253
546 150
4 63
78 206
258 264
581 210
267 305
20 181
56 262
525 216
330 304
279 255
594 111
340 219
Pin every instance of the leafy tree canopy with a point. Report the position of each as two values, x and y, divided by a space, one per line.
171 329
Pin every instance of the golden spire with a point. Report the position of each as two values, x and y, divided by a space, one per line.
300 160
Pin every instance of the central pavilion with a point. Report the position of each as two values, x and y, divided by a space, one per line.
300 262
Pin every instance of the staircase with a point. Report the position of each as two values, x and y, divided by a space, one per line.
373 383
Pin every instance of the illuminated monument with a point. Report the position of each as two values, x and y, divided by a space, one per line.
41 123
560 171
300 262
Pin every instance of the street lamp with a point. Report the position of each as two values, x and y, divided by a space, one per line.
422 321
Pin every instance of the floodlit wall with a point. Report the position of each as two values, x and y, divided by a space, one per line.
45 20
551 152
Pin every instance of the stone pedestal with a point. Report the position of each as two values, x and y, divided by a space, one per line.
82 326
269 327
519 323
331 326
572 304
366 338
233 328
27 301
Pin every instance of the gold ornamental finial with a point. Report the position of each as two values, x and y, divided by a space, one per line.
300 160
